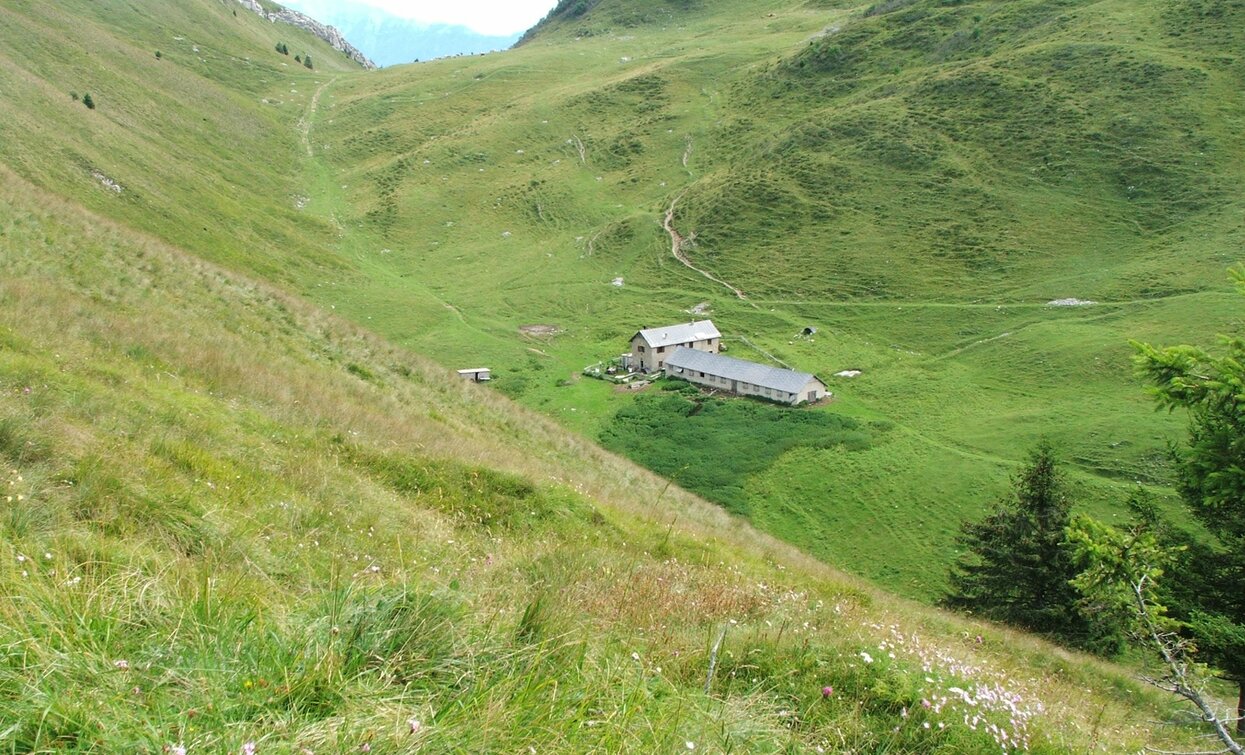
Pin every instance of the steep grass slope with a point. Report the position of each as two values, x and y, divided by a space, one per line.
199 145
230 518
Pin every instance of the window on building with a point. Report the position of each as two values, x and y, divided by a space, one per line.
641 348
661 349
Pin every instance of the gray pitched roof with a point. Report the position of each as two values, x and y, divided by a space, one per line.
701 330
788 381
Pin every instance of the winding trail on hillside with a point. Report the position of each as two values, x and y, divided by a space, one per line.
304 123
966 347
677 242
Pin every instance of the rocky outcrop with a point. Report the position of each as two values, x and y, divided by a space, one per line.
303 21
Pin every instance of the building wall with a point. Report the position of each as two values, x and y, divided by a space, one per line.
740 388
655 358
746 389
816 387
641 354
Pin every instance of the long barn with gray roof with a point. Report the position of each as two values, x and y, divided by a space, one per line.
743 377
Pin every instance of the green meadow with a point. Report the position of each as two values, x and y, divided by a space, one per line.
916 183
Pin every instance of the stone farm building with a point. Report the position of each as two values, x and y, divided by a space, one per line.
743 377
649 348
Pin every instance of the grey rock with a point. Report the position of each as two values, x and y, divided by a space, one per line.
303 21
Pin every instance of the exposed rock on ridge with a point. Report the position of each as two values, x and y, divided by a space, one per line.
303 21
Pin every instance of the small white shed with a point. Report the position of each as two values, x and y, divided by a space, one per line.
476 374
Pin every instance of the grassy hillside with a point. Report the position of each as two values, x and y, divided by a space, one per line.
233 515
915 180
229 518
200 145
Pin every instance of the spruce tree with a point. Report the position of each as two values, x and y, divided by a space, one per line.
1210 474
1017 569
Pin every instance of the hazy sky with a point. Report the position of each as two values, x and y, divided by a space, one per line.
492 17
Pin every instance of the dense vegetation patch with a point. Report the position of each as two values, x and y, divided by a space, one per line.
474 496
712 446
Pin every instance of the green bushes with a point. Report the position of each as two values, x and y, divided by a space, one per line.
713 446
473 496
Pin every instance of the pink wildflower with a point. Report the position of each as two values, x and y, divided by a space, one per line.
827 691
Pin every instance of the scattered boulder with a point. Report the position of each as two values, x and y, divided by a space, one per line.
106 182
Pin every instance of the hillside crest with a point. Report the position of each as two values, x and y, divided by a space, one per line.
329 34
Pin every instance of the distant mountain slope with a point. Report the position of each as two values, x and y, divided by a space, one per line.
982 148
392 40
584 18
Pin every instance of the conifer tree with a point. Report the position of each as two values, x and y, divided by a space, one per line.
1211 480
1017 569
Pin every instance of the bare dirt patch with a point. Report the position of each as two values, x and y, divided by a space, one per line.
539 330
